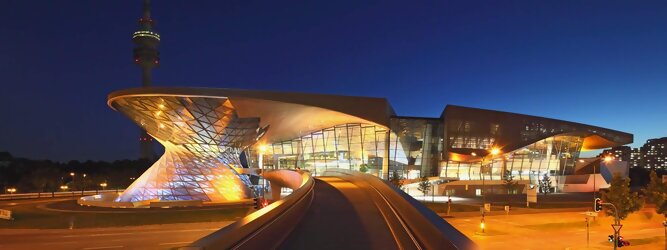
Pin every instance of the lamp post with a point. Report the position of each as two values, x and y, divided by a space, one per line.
493 152
260 162
617 224
83 183
103 185
606 159
72 174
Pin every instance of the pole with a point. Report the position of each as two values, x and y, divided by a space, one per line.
594 177
449 206
483 187
483 197
588 235
616 223
432 193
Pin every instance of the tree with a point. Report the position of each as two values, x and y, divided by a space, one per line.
424 185
655 189
656 193
509 183
545 184
363 168
396 180
619 194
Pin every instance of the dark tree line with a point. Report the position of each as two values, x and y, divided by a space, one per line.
28 175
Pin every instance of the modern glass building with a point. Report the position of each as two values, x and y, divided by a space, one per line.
209 134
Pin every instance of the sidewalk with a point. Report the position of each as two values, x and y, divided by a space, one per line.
514 211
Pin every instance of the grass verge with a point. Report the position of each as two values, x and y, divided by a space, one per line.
30 216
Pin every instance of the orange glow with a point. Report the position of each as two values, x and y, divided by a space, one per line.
495 151
608 158
596 142
262 148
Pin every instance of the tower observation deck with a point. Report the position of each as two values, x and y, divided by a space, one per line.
147 56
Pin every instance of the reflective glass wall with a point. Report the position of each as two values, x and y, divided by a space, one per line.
348 146
421 140
554 155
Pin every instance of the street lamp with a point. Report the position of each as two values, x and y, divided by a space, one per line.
260 162
83 183
71 174
495 151
103 185
606 159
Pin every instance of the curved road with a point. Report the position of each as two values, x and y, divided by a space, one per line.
346 216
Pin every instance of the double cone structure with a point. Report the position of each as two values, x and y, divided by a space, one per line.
203 138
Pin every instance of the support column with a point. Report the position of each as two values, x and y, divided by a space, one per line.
385 158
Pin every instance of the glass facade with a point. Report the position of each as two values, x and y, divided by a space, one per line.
347 146
203 139
554 156
411 147
421 140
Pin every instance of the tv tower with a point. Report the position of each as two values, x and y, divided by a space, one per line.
147 56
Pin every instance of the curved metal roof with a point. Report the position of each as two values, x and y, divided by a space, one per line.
512 131
288 114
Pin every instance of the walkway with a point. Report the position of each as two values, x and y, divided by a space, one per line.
342 216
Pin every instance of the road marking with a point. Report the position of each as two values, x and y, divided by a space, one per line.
174 243
91 248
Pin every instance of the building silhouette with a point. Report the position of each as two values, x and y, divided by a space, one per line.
654 153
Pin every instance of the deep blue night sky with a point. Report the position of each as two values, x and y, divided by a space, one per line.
596 62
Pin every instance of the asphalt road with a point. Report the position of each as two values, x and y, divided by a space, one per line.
342 216
166 236
142 237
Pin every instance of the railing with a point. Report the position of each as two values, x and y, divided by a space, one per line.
18 196
264 228
423 226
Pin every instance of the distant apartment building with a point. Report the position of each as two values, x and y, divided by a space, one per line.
635 158
654 153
